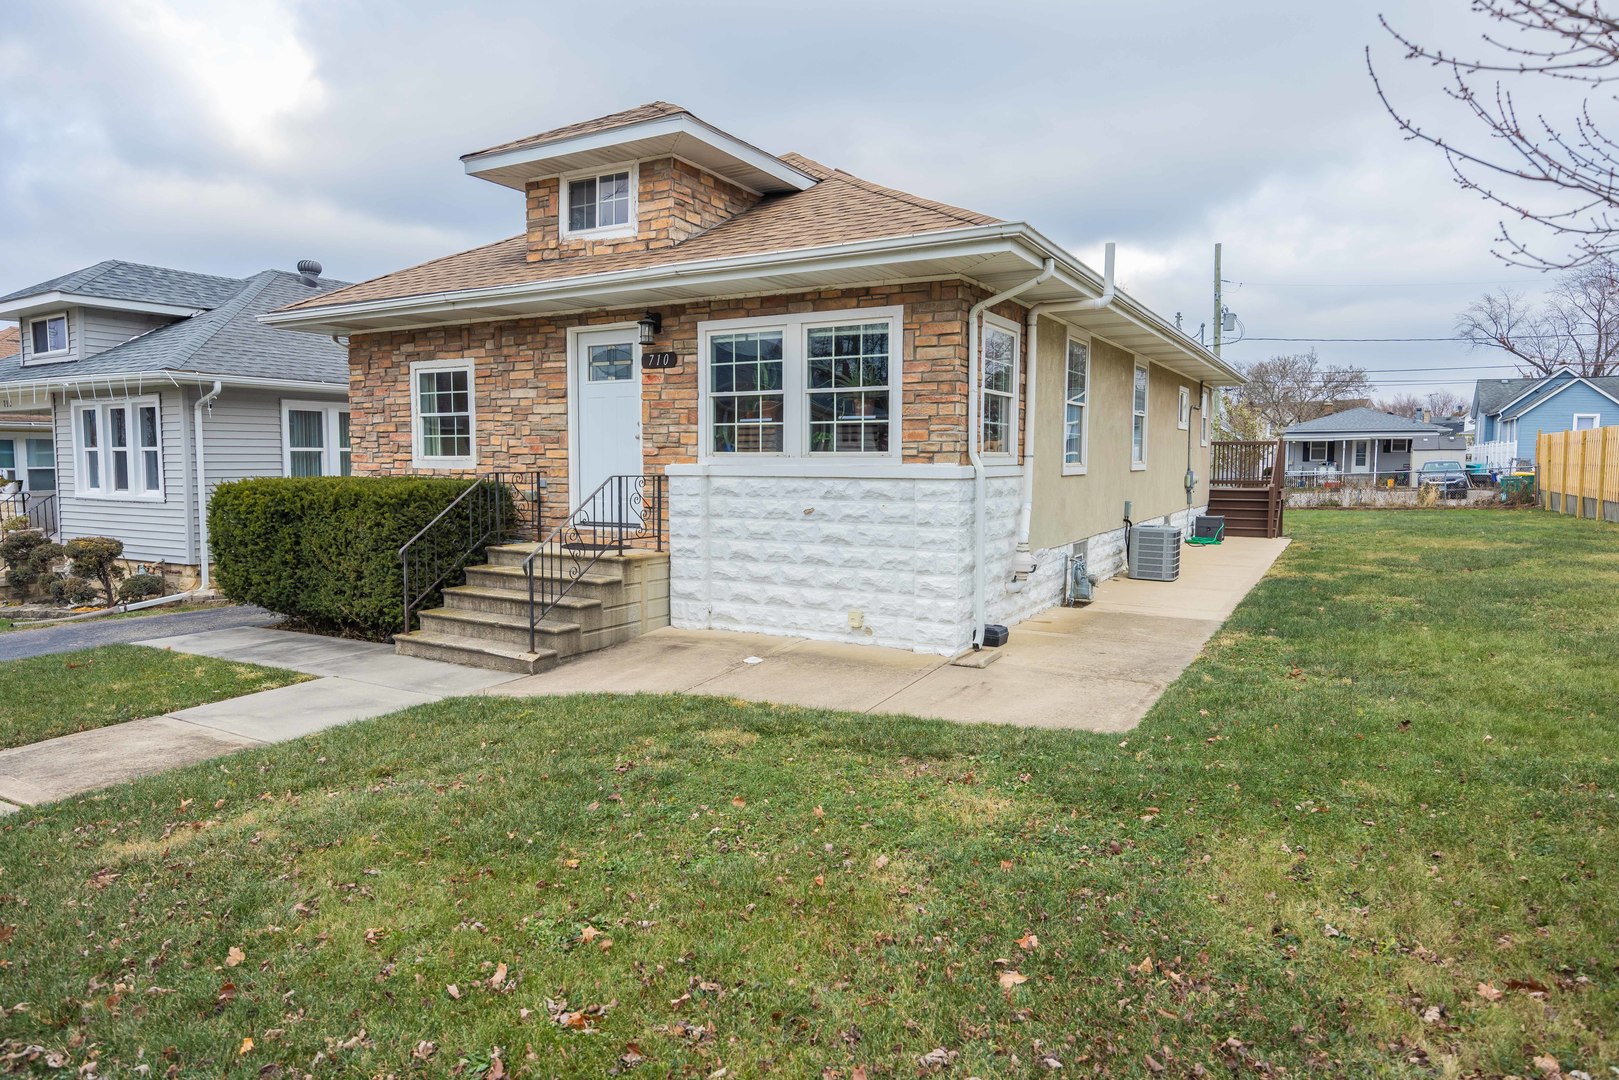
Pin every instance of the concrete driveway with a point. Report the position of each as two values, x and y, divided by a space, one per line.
1097 668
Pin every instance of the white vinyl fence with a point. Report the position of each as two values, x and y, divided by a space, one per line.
1495 455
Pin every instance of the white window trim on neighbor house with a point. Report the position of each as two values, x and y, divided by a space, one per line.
141 468
603 232
1183 421
420 459
1205 421
331 448
795 389
1394 446
1081 402
1309 453
1010 455
1138 464
67 337
1595 418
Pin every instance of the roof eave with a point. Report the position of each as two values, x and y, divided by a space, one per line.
756 169
46 301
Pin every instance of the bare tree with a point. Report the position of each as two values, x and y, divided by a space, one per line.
1401 405
1285 390
1577 326
1563 175
1434 403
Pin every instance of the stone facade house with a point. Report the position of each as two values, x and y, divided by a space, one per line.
880 418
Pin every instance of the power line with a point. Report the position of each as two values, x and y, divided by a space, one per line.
1370 284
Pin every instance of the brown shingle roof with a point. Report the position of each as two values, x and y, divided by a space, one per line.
839 209
10 341
654 110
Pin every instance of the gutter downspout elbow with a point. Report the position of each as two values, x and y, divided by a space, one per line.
975 395
1023 563
202 485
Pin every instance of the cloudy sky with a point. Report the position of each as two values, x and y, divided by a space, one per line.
232 135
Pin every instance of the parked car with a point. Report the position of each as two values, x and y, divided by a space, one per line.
1450 477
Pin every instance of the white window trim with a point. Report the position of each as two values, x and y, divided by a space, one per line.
601 232
1595 418
1409 446
67 337
1205 419
1139 464
795 384
1014 433
1083 465
419 460
330 411
137 457
1183 419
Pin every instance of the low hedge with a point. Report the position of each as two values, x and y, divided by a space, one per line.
325 550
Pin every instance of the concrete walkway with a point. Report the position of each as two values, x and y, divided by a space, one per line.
70 637
357 680
1097 668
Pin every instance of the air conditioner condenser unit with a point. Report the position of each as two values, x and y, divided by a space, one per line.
1155 552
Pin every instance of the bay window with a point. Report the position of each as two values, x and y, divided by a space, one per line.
1076 405
1138 419
119 448
315 435
812 385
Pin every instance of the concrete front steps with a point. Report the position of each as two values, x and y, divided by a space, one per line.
484 623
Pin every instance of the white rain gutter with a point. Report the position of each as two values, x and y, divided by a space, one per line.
202 486
1023 562
975 404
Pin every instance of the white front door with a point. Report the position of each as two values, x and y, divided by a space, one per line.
1360 456
608 418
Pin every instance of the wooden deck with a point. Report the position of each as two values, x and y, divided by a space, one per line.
1245 486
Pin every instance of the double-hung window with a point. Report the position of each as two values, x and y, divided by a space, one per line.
1138 419
1183 419
999 401
47 336
41 462
120 449
316 437
443 415
1316 451
1205 419
1076 407
601 202
816 385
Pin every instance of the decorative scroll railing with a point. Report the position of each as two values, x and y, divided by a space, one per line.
38 509
497 507
624 512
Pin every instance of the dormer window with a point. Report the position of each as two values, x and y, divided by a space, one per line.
48 335
600 203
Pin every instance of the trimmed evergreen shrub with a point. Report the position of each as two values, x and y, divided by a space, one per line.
140 587
325 549
95 558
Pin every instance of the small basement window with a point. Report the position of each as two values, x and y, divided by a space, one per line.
601 202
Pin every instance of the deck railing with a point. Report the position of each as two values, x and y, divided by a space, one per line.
38 508
1244 462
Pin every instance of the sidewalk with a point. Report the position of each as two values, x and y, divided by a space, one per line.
357 680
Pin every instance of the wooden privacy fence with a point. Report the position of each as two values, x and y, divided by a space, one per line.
1579 472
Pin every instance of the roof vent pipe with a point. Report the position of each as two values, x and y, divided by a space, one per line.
309 272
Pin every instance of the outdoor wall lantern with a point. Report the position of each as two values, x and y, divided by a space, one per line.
651 325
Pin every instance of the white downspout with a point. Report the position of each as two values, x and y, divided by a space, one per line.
975 389
1023 562
202 486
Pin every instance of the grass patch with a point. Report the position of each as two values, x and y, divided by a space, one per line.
45 696
1335 827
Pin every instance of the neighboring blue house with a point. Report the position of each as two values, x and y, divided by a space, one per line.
1517 410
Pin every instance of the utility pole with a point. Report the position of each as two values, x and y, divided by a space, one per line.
1219 315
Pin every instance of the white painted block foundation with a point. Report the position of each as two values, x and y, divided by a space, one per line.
796 555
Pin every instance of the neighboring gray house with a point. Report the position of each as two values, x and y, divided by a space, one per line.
155 377
1367 443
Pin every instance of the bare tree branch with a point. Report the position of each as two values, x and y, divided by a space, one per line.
1576 327
1285 390
1575 163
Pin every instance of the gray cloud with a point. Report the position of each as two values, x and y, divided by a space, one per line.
232 137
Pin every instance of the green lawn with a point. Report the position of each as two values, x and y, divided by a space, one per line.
1371 833
46 696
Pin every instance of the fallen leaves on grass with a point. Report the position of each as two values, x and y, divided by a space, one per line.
234 957
1028 941
424 1050
247 1045
938 1058
1488 992
454 991
582 1020
1010 979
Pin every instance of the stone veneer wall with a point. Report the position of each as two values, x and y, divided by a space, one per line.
675 201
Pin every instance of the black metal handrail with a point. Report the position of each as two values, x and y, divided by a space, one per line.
493 511
625 511
38 508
